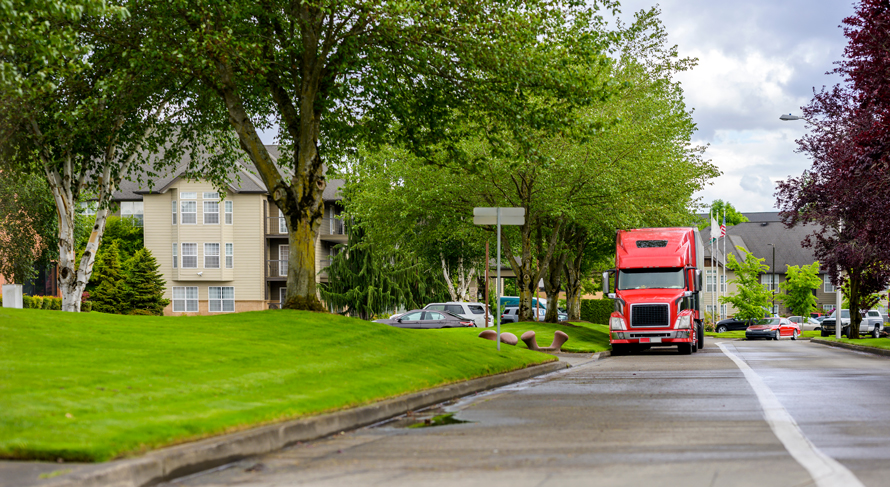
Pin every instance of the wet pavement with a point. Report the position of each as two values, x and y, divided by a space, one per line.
656 418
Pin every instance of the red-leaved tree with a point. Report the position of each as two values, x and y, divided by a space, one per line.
847 190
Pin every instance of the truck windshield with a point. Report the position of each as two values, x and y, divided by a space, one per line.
651 279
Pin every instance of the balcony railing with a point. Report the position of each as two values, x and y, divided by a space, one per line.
276 226
276 268
336 227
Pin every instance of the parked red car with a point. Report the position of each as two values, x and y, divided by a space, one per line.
773 328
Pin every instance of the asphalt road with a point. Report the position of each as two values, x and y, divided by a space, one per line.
802 414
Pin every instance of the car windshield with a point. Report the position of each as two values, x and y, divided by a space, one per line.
767 322
651 279
845 313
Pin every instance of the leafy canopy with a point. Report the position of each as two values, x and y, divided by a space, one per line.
751 297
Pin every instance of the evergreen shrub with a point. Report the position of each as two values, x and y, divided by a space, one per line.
86 307
47 302
56 304
597 310
26 301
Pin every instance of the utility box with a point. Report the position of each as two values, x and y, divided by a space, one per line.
12 296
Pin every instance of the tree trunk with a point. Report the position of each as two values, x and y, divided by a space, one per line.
573 278
553 286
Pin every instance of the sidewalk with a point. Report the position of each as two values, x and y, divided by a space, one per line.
169 463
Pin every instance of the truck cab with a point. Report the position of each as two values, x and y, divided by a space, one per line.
657 287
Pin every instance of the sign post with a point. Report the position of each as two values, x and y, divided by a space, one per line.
498 216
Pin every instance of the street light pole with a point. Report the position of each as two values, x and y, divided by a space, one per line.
772 278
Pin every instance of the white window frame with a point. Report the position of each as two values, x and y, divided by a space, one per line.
827 286
230 211
209 253
210 195
771 286
174 212
827 307
218 302
185 299
711 281
230 255
175 256
282 224
188 195
213 215
134 210
193 212
722 283
191 246
282 295
282 263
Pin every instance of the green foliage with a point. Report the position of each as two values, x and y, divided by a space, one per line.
597 310
144 285
797 289
26 301
124 231
751 297
124 377
109 293
868 301
733 216
85 306
27 224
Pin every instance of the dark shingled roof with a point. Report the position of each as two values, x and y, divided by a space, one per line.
246 181
756 237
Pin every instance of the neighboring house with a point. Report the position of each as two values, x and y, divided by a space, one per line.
760 235
221 255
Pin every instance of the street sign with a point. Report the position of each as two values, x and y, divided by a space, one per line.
489 216
498 216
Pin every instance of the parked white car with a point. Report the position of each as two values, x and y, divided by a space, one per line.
473 311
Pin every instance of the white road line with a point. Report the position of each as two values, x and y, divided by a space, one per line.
826 471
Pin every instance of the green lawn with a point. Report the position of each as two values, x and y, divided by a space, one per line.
865 342
583 337
91 386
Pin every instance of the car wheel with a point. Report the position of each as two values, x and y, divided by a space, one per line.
721 329
776 335
876 333
794 334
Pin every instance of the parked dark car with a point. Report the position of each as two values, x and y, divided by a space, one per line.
423 319
731 324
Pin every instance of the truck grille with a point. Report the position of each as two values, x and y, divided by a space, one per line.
647 315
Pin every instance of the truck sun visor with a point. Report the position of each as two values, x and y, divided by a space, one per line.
648 244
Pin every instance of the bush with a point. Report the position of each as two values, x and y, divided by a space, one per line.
47 302
36 302
142 312
86 307
597 310
26 301
56 304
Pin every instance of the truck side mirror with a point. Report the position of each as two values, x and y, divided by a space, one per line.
605 283
698 277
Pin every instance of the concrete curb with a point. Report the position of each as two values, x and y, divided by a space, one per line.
177 461
851 346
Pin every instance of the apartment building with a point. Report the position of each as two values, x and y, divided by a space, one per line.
221 253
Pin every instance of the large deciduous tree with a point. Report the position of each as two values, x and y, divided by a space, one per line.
332 73
797 289
751 298
847 189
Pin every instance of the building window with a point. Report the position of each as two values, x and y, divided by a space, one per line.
132 209
211 212
282 225
211 256
175 258
827 286
174 212
211 195
185 299
723 283
828 307
188 196
221 299
283 251
230 255
770 281
189 256
88 208
711 282
230 206
189 212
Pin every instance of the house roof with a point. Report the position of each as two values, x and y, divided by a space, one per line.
244 181
757 236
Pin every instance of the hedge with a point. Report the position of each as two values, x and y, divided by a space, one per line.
596 310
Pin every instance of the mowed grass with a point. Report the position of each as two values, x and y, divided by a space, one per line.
865 342
583 337
92 387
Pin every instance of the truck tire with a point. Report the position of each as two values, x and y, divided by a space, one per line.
824 333
876 333
847 332
685 348
619 350
701 336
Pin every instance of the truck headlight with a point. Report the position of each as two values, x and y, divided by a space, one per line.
684 322
617 323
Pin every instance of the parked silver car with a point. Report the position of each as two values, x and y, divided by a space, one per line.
473 311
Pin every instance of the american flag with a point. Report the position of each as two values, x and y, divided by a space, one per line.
723 226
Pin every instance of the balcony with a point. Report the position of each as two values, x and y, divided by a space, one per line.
276 270
275 227
333 230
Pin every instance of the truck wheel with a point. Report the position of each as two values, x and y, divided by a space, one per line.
876 333
701 336
685 348
619 350
824 333
848 332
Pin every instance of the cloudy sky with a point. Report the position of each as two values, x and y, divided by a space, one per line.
757 60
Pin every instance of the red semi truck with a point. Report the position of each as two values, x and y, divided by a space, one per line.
657 290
